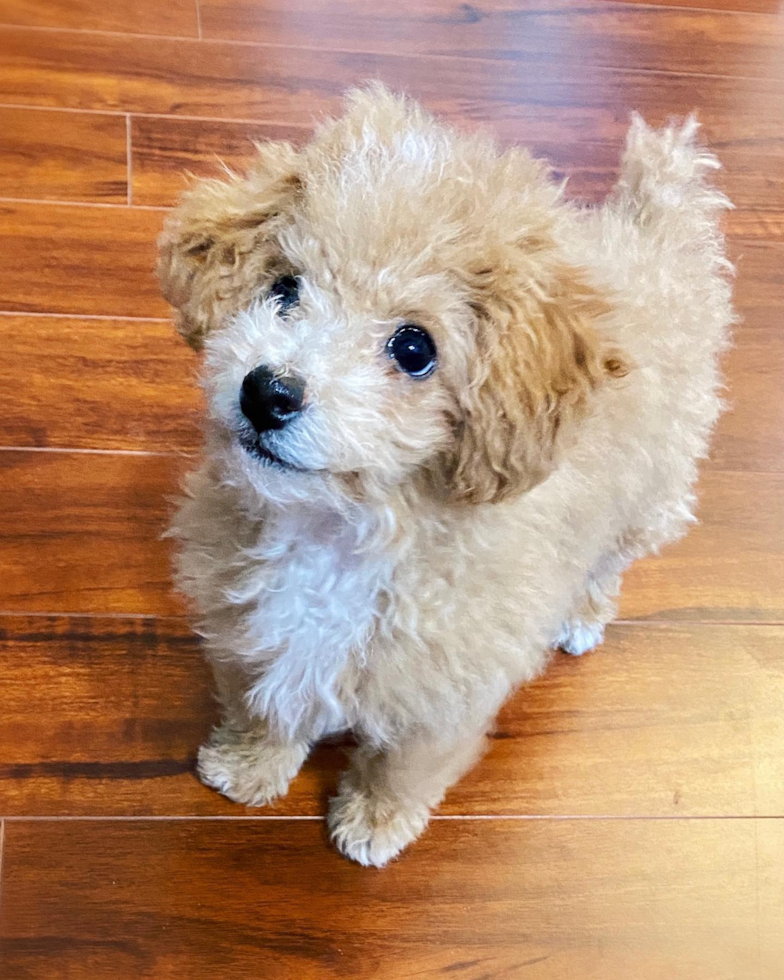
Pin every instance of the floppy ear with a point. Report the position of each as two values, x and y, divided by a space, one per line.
538 358
216 245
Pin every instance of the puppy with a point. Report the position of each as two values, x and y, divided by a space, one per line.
446 410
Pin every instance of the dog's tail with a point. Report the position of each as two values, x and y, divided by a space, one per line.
663 188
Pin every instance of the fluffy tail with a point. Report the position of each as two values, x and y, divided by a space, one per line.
663 186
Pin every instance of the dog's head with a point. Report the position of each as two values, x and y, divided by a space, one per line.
388 304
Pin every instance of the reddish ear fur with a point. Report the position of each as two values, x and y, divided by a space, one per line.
538 359
215 248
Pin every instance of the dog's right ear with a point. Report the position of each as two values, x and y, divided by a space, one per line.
217 244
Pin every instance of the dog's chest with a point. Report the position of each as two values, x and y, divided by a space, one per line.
310 620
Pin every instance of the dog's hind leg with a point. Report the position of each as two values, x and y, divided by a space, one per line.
242 758
584 629
596 606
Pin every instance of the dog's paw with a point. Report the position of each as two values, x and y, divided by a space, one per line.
577 637
370 831
247 768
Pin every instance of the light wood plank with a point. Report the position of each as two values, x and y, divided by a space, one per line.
661 721
601 34
63 156
79 259
177 17
730 567
602 900
743 6
102 384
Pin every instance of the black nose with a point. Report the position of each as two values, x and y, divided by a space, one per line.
269 401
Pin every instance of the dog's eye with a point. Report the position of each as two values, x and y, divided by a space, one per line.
286 291
413 350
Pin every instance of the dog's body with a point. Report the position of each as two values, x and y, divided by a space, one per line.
447 531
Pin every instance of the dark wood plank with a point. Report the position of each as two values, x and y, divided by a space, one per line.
90 726
130 385
137 393
92 523
295 86
687 900
176 17
165 151
63 156
79 259
124 384
642 726
80 532
602 34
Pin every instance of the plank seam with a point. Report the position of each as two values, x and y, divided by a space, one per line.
468 817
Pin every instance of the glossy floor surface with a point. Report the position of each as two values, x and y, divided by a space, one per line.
629 819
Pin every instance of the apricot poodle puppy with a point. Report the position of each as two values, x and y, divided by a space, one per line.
446 409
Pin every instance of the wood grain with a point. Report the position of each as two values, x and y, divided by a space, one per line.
167 150
602 900
176 17
597 34
80 532
730 567
645 726
750 435
129 383
79 259
742 6
290 86
63 156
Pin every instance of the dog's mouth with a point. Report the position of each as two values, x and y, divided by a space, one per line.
255 448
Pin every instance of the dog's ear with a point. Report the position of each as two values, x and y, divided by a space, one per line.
216 245
537 359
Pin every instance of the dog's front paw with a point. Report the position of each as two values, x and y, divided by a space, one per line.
372 831
246 766
577 637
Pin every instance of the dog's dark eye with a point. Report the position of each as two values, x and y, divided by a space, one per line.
413 350
286 291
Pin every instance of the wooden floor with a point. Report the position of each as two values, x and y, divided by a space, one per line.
629 820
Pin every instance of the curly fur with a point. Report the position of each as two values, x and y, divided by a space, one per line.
432 539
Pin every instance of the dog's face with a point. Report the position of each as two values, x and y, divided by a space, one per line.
386 305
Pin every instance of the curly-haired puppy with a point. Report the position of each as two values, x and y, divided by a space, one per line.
446 410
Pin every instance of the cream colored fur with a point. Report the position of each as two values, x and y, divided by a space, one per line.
438 536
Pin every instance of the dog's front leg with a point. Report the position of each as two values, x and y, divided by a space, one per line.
385 798
243 758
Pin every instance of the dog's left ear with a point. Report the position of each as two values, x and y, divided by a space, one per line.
538 359
219 242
